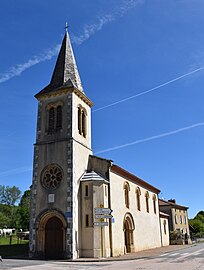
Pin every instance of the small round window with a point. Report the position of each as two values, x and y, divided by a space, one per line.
51 176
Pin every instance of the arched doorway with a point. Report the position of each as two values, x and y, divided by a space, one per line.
51 235
128 227
54 238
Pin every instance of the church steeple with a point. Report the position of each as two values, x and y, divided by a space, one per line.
65 73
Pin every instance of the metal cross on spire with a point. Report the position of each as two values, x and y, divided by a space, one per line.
66 27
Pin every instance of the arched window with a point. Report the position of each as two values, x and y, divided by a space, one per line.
83 116
138 194
164 226
59 118
147 201
176 220
154 203
126 188
82 121
54 117
51 121
79 121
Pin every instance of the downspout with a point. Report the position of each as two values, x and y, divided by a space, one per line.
160 231
160 223
110 222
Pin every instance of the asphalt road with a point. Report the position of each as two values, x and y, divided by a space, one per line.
191 258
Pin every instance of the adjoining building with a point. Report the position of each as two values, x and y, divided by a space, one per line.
83 205
178 218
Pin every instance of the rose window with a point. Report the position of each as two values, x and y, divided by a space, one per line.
51 177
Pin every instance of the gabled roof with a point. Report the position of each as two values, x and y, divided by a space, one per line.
163 203
130 176
65 74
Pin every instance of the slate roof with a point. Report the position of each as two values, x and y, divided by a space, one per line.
65 74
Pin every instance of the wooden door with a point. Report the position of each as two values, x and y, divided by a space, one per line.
54 239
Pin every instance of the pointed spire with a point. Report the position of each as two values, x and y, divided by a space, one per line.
65 73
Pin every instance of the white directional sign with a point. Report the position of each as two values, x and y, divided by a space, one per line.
101 224
102 211
103 216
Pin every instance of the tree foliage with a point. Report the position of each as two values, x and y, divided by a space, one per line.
24 211
9 195
12 215
198 223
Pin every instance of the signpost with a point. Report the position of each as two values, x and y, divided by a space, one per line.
103 216
102 213
100 223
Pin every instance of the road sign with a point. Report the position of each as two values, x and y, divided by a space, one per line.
103 216
102 211
101 224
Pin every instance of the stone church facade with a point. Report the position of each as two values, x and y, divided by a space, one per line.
70 183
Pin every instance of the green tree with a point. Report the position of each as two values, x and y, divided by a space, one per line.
9 195
24 211
198 223
4 220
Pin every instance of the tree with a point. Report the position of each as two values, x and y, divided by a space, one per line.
9 195
198 223
4 220
24 211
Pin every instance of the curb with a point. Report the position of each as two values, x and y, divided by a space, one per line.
112 259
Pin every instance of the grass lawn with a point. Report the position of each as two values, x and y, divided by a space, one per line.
17 249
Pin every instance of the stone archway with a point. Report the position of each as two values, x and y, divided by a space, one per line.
128 228
51 235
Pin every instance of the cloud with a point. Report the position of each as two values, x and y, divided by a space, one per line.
16 171
149 90
152 138
91 29
18 69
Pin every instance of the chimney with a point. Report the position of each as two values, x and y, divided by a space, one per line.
172 200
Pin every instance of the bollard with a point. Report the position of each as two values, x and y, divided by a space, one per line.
10 239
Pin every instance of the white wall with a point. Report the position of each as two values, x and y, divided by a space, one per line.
147 227
81 152
165 236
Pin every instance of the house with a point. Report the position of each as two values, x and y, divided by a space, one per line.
178 218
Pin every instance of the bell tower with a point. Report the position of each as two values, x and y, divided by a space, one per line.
61 152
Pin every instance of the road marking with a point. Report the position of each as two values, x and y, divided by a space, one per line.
174 254
184 254
192 254
162 255
199 252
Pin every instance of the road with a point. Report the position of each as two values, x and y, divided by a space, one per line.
191 258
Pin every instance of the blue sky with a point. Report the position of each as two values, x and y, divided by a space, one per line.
122 48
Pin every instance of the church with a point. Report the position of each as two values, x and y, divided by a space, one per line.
83 205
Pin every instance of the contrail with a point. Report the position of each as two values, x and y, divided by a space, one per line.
88 30
16 171
151 138
18 69
91 29
149 90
